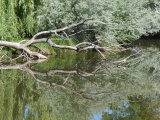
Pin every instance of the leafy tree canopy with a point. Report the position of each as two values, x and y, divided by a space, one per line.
124 20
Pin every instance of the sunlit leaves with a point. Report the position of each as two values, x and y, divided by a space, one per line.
126 20
17 18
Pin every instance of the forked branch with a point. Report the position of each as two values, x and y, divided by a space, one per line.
37 39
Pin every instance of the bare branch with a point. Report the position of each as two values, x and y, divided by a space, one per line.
100 53
79 47
57 30
22 47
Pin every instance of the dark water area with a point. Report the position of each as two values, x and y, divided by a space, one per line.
145 43
84 87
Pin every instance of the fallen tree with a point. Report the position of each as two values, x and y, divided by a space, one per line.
24 47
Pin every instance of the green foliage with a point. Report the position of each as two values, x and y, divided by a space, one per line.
17 18
126 20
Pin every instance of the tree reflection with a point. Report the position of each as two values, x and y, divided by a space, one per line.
77 90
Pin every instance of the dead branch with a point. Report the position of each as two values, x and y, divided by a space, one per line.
57 30
22 48
36 39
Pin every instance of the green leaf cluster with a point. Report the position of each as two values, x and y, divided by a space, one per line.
125 20
17 19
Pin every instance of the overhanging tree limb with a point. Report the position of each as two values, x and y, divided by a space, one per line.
36 39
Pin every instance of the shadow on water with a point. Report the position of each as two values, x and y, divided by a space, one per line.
83 87
145 43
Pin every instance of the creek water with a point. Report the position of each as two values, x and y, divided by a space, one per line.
126 86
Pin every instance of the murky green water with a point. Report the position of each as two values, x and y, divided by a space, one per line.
83 87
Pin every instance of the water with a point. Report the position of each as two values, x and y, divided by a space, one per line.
84 87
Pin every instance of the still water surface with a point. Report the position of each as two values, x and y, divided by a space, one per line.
84 87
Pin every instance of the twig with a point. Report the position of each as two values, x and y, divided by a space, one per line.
125 60
66 79
100 53
66 35
82 31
